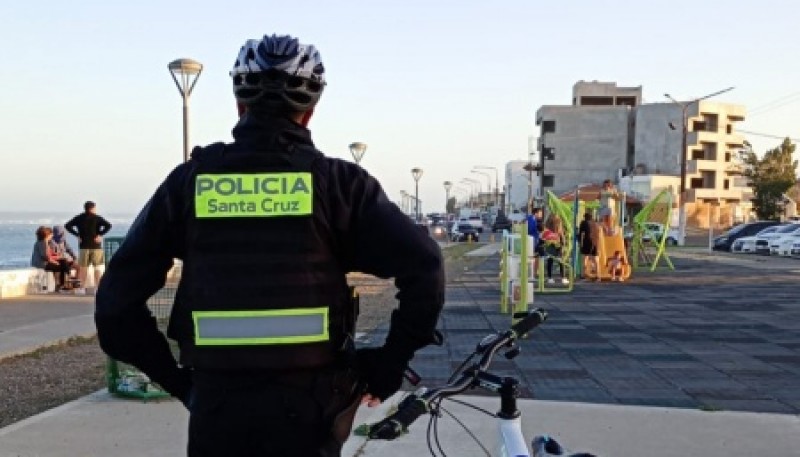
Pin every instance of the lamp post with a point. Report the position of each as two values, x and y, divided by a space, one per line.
684 146
478 185
416 172
358 150
488 180
496 182
447 186
185 73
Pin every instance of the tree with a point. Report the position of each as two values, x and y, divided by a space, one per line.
770 177
451 205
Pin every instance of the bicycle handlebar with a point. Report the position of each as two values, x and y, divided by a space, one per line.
414 406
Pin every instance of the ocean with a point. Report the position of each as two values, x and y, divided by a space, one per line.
18 233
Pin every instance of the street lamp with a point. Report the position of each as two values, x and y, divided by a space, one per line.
447 186
358 149
185 73
488 179
496 182
684 146
416 172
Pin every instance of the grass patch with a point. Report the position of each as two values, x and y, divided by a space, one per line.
456 251
710 408
43 351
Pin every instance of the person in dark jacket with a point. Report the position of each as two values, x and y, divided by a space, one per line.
89 227
267 229
64 251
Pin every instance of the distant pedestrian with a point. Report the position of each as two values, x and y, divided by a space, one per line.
589 245
553 241
89 227
534 219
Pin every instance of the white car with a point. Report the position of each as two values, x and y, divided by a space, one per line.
781 245
747 244
654 231
763 241
795 251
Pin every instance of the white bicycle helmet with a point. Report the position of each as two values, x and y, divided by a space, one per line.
278 71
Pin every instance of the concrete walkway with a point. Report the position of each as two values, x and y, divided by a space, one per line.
36 321
101 426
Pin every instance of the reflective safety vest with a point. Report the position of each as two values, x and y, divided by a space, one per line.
262 287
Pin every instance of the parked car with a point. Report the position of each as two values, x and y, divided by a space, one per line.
763 241
747 244
786 243
776 242
465 232
501 222
724 242
795 251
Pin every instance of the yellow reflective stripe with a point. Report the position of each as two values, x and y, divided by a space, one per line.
260 327
253 195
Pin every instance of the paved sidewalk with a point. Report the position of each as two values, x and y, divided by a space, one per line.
712 336
31 322
709 336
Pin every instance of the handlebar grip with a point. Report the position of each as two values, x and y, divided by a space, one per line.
529 322
393 426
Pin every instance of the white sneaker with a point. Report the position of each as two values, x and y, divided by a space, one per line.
564 281
621 279
551 281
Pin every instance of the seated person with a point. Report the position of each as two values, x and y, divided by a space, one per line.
615 266
45 258
60 246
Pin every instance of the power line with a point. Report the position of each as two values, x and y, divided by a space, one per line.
768 105
767 135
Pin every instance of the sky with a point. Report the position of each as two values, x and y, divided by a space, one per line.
89 110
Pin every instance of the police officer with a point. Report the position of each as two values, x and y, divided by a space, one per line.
266 228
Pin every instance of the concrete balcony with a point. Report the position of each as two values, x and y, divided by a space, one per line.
694 195
696 166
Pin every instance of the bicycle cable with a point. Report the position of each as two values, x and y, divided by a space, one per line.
436 427
475 438
476 408
460 367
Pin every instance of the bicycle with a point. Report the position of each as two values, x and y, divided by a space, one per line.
511 439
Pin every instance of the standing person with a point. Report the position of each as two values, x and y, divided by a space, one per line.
89 227
553 241
534 219
608 202
45 258
64 251
588 246
267 228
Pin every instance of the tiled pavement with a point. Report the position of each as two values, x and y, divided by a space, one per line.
710 335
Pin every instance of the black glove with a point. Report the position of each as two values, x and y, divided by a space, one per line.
178 383
381 371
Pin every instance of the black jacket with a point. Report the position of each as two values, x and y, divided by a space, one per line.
378 239
86 226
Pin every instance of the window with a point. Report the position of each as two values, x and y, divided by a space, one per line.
548 154
729 129
727 156
548 181
726 184
549 127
